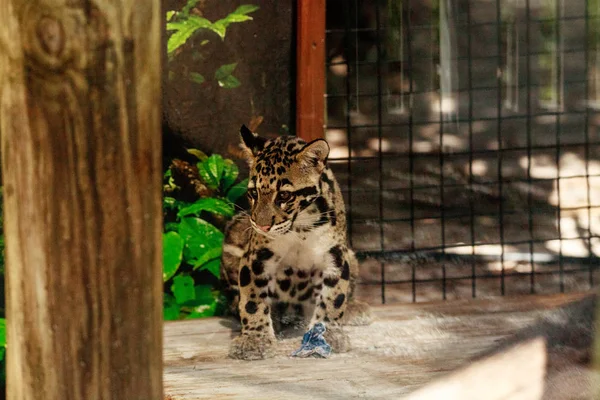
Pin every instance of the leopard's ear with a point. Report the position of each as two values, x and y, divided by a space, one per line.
251 144
314 155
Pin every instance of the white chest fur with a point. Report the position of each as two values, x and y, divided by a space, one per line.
303 251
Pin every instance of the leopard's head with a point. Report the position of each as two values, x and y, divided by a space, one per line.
284 179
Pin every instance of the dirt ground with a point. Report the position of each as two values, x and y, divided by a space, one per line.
517 182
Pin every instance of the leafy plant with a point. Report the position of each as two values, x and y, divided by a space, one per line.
188 22
193 237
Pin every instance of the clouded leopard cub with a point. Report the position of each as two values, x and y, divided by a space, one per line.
290 253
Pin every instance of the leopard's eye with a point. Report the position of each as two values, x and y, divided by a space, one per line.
283 196
253 193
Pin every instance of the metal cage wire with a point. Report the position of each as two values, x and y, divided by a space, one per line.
464 135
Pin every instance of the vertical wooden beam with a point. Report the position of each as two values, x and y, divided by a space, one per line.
310 55
81 151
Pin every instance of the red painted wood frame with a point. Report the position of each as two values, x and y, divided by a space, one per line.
310 78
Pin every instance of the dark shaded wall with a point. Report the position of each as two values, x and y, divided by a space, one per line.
207 116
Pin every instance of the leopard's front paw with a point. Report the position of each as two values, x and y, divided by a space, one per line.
252 347
337 339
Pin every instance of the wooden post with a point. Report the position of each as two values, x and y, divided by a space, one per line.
81 146
310 55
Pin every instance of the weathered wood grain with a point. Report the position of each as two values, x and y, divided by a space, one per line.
80 125
406 347
517 374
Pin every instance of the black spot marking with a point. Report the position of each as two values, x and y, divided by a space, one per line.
328 181
285 181
331 282
263 295
259 328
245 321
261 282
304 204
323 210
306 295
273 294
336 252
319 286
340 316
266 310
339 300
306 191
327 319
289 271
245 277
284 284
322 305
302 286
257 267
332 217
302 274
264 254
346 271
251 307
252 295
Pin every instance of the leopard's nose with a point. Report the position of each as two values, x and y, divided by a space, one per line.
264 228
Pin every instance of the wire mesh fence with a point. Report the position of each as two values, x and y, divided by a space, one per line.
465 137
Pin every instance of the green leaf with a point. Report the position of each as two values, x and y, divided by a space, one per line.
169 203
199 237
188 7
172 253
230 82
239 15
196 77
210 204
200 155
2 332
230 173
237 191
232 19
184 30
205 303
203 294
213 266
211 170
183 288
170 15
246 9
171 226
211 261
171 309
219 27
224 71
